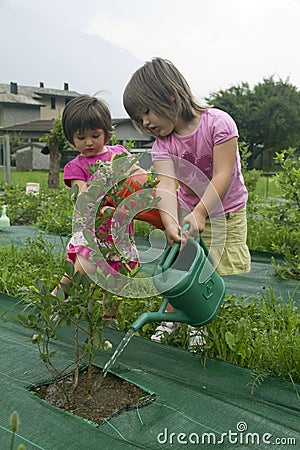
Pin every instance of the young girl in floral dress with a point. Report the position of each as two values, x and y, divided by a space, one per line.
87 125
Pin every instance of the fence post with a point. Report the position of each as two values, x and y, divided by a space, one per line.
6 158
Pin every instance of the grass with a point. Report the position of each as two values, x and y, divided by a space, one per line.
35 259
20 178
260 333
266 187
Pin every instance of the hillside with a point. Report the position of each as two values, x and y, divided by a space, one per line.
35 50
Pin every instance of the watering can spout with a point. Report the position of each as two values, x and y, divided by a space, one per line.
141 321
159 316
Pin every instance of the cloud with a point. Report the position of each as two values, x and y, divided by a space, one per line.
215 44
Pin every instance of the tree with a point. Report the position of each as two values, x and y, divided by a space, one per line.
56 142
268 116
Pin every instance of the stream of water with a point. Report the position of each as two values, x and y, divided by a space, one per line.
126 339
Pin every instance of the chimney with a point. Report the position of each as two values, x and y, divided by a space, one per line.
41 84
66 86
13 88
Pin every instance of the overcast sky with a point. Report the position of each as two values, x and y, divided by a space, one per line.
215 43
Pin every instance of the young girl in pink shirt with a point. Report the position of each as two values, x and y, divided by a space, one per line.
87 125
197 161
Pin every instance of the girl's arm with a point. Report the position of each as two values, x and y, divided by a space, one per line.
224 156
167 190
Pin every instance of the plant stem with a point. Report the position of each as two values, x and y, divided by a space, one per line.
89 369
76 351
12 441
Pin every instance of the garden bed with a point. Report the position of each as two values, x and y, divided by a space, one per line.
109 396
196 399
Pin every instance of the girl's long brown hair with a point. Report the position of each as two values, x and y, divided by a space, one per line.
160 87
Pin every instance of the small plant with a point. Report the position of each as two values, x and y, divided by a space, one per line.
91 213
14 425
82 310
80 305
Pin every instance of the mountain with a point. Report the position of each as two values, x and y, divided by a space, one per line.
35 50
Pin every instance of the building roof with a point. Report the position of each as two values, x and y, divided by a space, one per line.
31 95
35 125
7 97
38 145
40 91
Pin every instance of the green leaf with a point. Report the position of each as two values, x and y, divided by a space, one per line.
230 340
77 278
60 294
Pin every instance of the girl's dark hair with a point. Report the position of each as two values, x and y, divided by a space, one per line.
86 113
160 87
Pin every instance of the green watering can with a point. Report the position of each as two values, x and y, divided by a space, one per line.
189 282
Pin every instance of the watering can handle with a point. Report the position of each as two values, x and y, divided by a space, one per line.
175 248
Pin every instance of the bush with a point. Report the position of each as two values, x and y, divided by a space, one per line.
273 225
36 258
49 210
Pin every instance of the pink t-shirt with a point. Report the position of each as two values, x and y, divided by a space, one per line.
78 168
193 161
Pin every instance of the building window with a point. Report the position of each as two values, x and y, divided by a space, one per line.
53 103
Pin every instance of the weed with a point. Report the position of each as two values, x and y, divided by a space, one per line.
36 258
261 333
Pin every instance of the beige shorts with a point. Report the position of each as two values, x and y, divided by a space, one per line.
225 238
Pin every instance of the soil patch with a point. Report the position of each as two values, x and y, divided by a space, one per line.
109 396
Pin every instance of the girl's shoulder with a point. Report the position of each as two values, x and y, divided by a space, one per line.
215 114
219 126
75 161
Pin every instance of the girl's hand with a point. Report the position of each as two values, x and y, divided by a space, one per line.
197 223
172 231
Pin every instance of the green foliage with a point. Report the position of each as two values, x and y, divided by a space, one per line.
268 116
288 181
36 258
55 137
273 225
262 333
129 145
78 306
251 176
46 210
